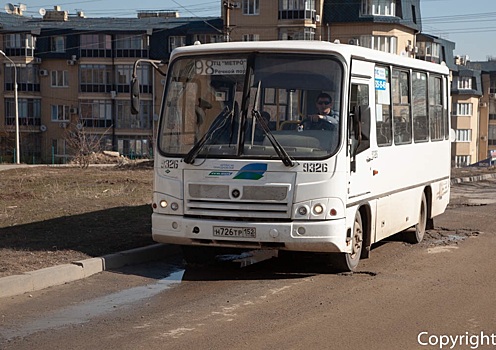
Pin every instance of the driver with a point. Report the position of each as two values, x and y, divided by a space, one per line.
325 119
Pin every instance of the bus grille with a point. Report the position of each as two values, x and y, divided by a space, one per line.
247 201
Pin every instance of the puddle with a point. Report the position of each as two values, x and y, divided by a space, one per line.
90 309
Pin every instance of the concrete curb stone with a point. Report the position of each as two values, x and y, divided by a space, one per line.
57 275
473 178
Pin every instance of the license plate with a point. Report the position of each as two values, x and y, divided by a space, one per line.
231 231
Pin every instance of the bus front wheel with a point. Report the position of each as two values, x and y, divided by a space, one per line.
347 262
418 235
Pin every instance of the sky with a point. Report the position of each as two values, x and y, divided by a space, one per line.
470 24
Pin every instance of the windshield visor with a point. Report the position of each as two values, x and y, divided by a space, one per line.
211 105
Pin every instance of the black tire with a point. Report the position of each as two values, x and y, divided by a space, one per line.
418 235
347 262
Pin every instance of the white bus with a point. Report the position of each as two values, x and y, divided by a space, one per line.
237 165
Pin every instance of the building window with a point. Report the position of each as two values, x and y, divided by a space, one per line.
251 37
96 113
491 137
57 43
95 78
378 8
297 34
492 110
60 113
20 44
28 77
124 73
96 45
463 109
380 43
131 45
464 83
59 78
176 41
126 120
492 85
461 161
251 7
292 9
134 146
29 111
429 51
463 135
208 38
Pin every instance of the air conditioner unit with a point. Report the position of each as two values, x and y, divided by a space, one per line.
37 60
482 104
236 5
73 111
484 138
70 62
317 18
43 128
493 96
43 72
354 41
63 125
113 94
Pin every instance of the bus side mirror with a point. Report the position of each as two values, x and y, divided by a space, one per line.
135 96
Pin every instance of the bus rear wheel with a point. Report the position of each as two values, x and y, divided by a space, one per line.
418 235
347 262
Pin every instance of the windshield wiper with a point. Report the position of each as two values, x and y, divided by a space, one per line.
281 152
218 124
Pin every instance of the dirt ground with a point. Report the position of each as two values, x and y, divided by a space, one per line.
56 215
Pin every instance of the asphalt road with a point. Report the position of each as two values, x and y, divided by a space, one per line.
403 297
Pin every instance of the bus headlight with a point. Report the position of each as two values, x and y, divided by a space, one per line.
318 209
163 203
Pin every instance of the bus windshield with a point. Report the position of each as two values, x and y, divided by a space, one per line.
252 105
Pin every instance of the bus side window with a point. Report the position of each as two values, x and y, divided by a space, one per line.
383 106
360 98
401 107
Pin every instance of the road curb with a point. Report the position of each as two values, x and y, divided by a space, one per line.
473 178
57 275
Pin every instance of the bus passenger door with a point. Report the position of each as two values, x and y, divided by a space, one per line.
361 152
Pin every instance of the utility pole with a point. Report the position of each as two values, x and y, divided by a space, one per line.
227 11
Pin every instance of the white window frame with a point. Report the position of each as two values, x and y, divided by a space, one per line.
251 37
464 109
251 7
60 113
463 135
378 8
176 41
464 83
380 43
58 43
59 78
461 161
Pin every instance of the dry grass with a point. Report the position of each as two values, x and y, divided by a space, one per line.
50 216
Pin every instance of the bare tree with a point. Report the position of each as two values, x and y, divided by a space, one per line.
83 143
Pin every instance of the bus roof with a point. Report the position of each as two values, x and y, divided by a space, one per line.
311 47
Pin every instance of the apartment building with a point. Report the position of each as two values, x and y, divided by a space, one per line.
466 92
73 74
387 25
486 135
